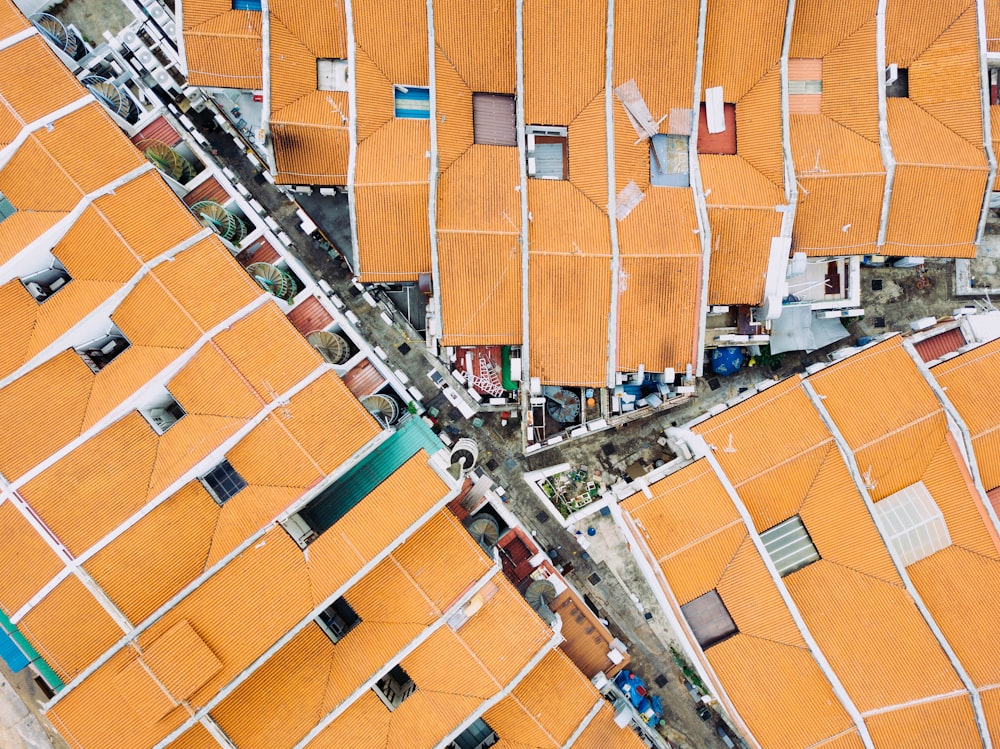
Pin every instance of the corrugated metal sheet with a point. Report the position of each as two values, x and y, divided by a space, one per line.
208 384
69 628
578 57
312 155
197 12
602 731
108 484
310 316
794 706
958 587
991 709
480 288
664 291
150 316
225 51
293 67
20 312
478 38
779 490
943 343
144 202
398 250
656 45
898 460
742 42
823 149
945 723
23 228
911 27
667 526
28 561
588 155
479 193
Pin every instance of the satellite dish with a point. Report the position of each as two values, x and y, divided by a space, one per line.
330 346
539 595
485 529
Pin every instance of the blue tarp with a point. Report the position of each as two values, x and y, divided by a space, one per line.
727 360
413 102
11 653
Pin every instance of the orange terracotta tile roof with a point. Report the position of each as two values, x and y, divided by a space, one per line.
224 50
561 79
742 43
602 731
478 39
647 33
395 601
992 11
945 722
310 127
28 559
911 27
69 628
28 100
453 103
11 20
962 378
736 274
397 41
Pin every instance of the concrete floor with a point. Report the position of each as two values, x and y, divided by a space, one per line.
20 725
93 17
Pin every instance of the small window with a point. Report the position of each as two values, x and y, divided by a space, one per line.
548 152
394 687
709 619
101 352
337 619
668 161
494 122
223 482
912 523
246 5
479 735
6 208
331 75
163 414
723 142
45 283
805 85
789 546
413 102
897 82
994 86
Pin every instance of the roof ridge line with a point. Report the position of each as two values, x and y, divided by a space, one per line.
956 134
898 585
944 31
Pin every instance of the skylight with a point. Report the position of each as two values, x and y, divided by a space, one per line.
709 619
789 546
912 523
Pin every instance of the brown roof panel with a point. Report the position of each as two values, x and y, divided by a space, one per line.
667 290
69 628
478 38
561 79
28 561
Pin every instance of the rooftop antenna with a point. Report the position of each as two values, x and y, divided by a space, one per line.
729 447
870 483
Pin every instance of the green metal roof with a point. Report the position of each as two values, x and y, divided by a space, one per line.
331 504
